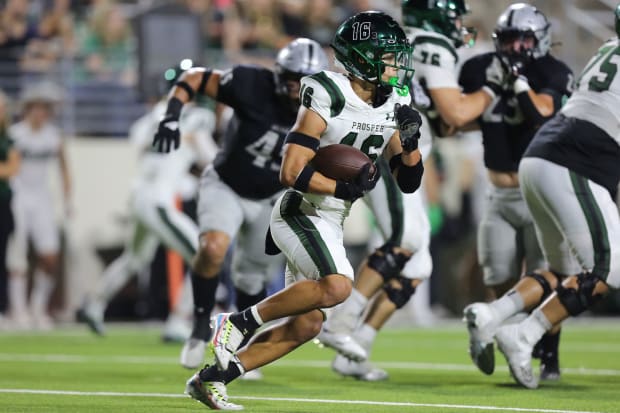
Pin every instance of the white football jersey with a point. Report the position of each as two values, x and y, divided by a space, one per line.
597 96
162 172
349 119
39 150
435 63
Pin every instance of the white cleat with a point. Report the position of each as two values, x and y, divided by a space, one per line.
360 370
481 326
227 339
518 354
193 353
210 393
343 344
176 330
252 375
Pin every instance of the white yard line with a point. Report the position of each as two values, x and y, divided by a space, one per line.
162 360
298 400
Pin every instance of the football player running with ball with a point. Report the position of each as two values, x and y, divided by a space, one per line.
394 270
236 194
306 222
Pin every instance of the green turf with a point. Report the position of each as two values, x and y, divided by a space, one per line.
429 371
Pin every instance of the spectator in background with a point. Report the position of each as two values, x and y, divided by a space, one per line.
255 24
40 144
322 18
55 38
108 45
9 165
15 32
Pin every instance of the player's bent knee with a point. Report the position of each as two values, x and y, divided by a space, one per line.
387 261
580 292
399 292
308 326
548 281
336 289
212 249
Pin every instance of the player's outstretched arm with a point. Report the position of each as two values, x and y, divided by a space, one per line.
196 80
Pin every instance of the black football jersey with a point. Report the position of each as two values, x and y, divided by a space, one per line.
251 154
506 132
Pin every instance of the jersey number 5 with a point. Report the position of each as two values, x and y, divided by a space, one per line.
602 75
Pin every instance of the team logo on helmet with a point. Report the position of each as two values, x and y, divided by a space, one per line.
367 43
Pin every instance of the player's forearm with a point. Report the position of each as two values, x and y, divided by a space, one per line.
467 108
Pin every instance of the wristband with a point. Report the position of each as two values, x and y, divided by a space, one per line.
521 85
173 110
303 179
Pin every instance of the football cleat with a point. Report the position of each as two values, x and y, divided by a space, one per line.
210 393
518 354
193 353
176 330
549 368
227 339
93 320
361 370
481 326
343 344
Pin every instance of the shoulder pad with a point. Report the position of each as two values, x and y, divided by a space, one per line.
320 93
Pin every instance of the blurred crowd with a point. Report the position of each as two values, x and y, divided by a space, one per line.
35 35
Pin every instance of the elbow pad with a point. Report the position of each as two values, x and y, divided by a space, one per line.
408 178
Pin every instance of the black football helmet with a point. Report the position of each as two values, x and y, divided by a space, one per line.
361 43
439 16
522 21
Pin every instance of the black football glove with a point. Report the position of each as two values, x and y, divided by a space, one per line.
363 182
168 134
408 121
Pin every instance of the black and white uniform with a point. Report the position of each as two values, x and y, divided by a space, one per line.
237 193
569 175
506 234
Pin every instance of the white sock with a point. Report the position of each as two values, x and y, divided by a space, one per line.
41 292
507 305
114 277
345 316
535 326
365 335
18 286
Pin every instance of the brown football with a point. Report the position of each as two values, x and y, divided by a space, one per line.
341 162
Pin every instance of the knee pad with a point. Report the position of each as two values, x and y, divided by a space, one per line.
400 296
577 301
387 262
547 289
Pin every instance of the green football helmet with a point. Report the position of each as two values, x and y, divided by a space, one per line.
617 14
439 16
361 43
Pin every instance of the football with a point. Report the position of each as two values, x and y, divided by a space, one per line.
341 162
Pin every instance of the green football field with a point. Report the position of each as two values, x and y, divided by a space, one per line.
130 370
